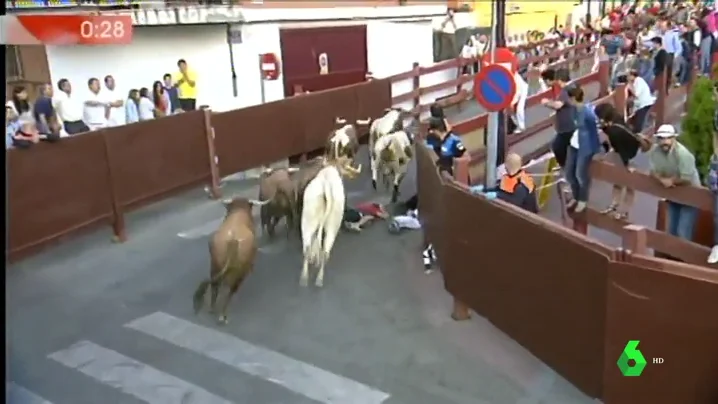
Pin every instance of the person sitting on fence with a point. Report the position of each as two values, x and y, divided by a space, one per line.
673 165
515 186
621 147
445 144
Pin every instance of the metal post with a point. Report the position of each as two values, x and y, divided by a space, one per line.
496 128
261 79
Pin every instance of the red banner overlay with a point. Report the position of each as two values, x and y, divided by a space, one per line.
71 29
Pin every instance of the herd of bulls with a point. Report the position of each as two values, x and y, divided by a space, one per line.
314 194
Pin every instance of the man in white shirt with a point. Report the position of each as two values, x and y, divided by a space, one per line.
468 52
117 110
519 103
643 100
69 109
96 110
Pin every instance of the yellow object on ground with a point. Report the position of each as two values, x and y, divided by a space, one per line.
545 187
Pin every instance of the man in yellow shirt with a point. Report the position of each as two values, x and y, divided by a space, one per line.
186 82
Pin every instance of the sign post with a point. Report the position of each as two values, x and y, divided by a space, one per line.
494 89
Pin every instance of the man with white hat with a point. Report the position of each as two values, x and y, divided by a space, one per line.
673 165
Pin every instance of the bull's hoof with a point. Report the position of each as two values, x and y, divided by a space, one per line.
373 184
319 283
222 320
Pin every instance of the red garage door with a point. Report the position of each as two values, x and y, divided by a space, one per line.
345 47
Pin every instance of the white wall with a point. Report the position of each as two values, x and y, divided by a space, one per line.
393 47
155 51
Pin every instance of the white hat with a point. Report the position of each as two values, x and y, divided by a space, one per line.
666 131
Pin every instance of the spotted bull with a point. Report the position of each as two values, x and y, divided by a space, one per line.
390 156
392 121
344 141
232 250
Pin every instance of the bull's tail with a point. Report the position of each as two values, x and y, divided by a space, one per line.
232 252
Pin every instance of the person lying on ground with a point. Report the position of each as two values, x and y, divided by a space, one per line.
356 218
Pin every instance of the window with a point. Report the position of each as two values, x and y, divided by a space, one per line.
13 67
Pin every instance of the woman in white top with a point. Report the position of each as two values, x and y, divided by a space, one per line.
146 107
468 52
20 108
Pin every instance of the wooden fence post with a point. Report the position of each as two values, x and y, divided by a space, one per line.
416 85
460 311
213 188
635 239
660 84
604 78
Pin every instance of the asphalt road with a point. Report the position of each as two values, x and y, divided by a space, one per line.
92 322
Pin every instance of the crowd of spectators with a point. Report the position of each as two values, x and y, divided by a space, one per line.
60 113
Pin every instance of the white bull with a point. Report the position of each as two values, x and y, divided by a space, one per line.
322 215
391 121
391 155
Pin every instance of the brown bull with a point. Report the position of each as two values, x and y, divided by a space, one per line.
232 249
306 173
276 185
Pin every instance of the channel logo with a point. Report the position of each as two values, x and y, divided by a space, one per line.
632 362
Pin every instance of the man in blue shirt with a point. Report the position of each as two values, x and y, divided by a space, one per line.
172 91
44 112
445 144
672 45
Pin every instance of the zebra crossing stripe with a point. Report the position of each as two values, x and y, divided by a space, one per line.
302 378
131 376
16 394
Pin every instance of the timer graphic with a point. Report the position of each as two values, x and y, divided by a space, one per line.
54 29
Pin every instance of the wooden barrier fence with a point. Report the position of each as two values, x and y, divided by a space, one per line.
572 301
82 182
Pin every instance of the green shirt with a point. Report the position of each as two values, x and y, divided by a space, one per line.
679 162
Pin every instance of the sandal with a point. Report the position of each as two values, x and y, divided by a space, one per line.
616 215
610 209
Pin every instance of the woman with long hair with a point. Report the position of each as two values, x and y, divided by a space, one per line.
621 146
19 106
160 100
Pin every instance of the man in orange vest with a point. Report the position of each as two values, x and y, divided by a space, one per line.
515 187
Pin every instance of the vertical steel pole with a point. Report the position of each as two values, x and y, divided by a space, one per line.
496 128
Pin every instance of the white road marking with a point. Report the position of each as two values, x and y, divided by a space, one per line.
208 228
299 377
132 377
16 394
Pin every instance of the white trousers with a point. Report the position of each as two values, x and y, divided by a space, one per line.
520 114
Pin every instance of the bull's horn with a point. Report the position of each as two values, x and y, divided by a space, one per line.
363 121
340 121
292 169
353 170
267 170
227 201
259 203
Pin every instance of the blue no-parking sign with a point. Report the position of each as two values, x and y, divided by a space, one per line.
494 87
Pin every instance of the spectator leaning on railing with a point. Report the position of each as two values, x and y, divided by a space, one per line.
673 165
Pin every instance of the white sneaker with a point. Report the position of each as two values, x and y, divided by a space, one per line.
713 257
580 207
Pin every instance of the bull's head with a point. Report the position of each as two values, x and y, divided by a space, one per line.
242 204
344 165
